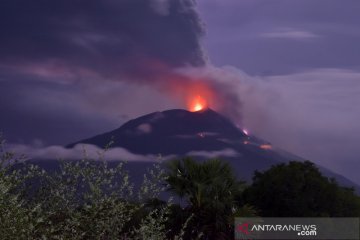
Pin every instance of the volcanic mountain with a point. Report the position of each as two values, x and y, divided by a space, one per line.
175 132
202 134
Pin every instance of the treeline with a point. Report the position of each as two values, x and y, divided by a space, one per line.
88 199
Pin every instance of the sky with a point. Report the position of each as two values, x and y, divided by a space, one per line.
288 71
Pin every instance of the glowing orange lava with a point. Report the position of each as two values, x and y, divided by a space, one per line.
266 146
197 104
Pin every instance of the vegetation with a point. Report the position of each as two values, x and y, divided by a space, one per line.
210 189
83 200
298 189
88 199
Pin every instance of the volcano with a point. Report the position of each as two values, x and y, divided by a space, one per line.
174 132
202 134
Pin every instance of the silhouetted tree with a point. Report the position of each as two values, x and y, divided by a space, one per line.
210 189
298 189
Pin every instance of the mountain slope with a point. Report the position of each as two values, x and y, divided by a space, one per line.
171 132
202 134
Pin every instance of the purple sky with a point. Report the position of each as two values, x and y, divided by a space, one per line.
275 37
306 56
290 69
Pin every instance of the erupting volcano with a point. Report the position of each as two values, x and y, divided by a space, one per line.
197 95
202 133
198 104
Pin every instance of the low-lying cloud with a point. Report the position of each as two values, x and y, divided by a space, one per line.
81 151
214 154
92 152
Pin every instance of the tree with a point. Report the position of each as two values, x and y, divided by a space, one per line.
210 189
298 189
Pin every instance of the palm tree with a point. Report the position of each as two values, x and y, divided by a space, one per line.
210 189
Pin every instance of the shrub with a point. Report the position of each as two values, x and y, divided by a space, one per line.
85 199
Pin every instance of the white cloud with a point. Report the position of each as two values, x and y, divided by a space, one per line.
289 33
81 150
314 114
93 152
213 154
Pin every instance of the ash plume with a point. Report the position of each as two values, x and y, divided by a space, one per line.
118 39
81 57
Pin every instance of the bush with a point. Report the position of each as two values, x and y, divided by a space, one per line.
85 199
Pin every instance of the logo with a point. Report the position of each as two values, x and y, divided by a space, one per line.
244 228
297 228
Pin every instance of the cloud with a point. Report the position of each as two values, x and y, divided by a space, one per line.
81 151
92 152
288 33
77 64
85 65
282 37
214 154
313 113
115 39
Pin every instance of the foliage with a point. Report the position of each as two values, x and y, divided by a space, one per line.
210 189
298 189
83 200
